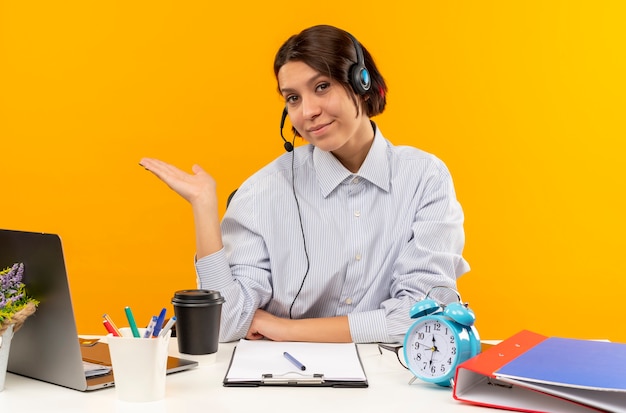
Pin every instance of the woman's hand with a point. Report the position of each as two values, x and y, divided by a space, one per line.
199 186
329 329
266 325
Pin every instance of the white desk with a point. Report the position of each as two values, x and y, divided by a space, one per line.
201 390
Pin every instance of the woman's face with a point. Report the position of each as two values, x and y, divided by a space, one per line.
321 109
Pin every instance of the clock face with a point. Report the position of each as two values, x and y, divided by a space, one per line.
432 349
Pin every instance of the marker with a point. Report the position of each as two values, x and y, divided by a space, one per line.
111 324
167 327
159 323
110 328
131 322
150 327
294 361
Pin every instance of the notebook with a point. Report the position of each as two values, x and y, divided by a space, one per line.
47 346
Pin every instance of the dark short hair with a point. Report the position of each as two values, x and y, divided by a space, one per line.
331 51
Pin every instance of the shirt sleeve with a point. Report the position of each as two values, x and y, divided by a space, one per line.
213 273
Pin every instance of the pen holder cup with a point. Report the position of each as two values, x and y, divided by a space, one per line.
139 365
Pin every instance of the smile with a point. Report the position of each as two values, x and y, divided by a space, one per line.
318 128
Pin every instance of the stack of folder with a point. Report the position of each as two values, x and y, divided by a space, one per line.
530 372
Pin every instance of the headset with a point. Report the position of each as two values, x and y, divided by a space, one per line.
359 78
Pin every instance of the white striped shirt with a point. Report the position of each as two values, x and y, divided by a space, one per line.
377 241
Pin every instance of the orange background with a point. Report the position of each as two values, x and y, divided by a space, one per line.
523 100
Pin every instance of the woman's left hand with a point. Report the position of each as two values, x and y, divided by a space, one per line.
266 325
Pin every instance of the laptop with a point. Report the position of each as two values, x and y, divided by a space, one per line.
47 347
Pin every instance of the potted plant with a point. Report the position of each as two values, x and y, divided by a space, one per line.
15 307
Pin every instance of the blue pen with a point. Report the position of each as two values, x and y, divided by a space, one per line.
159 323
294 361
131 322
150 327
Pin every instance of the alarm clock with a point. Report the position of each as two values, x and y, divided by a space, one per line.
442 337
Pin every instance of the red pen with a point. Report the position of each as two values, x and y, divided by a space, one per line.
110 326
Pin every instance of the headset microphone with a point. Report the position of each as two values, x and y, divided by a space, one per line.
288 145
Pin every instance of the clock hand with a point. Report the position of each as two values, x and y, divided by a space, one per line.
433 349
427 346
430 362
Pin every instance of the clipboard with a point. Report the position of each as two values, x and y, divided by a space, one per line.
262 363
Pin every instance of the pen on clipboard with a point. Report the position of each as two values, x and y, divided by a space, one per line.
168 326
110 325
131 322
293 360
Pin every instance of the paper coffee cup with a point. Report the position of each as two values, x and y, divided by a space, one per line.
198 314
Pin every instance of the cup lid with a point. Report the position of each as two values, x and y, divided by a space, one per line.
198 296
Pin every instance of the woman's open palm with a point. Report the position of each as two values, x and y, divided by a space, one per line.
192 187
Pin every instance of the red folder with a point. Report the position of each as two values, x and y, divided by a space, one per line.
529 372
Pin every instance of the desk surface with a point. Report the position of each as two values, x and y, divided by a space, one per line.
201 389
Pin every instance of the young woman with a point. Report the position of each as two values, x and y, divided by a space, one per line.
333 241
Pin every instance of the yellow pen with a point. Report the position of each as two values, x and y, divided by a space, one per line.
112 324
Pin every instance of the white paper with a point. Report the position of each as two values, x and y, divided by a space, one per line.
93 369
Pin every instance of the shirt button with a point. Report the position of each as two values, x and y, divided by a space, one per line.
357 213
348 301
358 257
355 180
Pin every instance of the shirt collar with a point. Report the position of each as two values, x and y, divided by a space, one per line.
330 172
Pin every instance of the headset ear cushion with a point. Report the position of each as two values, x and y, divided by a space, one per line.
360 78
